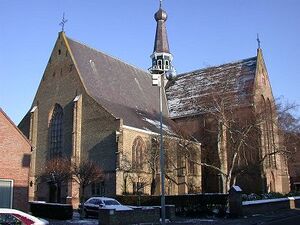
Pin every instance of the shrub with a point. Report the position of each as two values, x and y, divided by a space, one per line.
186 205
270 195
51 210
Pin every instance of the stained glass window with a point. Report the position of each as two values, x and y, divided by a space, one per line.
56 131
138 148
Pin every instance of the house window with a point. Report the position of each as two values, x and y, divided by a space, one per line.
138 148
181 165
192 166
56 132
170 187
6 193
98 189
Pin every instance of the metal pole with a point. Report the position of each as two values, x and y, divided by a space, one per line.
162 160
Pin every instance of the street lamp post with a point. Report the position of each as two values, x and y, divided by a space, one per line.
158 80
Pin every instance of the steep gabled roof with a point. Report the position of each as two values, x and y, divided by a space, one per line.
123 90
15 127
189 93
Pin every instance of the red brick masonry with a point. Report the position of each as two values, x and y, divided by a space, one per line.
15 151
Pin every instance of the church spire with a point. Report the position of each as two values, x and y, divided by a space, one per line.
161 57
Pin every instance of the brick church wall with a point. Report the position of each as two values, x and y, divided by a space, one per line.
60 85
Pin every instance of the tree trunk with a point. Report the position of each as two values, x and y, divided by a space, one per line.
153 185
222 153
228 181
82 197
58 193
224 183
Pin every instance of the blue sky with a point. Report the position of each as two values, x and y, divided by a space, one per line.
201 33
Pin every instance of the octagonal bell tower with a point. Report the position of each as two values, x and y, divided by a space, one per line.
161 56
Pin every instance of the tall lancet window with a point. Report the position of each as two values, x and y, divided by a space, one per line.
56 132
138 149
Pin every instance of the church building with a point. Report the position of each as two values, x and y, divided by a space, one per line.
91 106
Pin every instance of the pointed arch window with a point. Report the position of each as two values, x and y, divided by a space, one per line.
138 149
272 132
268 132
56 131
264 133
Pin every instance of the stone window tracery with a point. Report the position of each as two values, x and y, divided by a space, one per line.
138 149
56 132
268 133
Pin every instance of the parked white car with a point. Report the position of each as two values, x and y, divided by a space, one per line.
17 217
92 205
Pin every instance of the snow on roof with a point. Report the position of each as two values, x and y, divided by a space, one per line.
157 125
191 93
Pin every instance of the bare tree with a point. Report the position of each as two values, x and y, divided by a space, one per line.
175 150
152 161
126 167
86 173
232 131
56 172
289 126
180 155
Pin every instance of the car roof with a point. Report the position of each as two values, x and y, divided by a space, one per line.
102 198
18 212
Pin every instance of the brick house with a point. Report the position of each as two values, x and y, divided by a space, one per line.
15 151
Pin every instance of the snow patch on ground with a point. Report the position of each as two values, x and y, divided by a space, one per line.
91 222
264 201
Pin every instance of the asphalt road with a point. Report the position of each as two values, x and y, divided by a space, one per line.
292 220
288 217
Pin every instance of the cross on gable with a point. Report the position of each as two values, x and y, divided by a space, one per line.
62 23
258 40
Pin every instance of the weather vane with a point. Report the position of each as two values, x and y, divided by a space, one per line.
62 23
258 40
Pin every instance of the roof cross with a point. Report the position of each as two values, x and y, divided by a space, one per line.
62 23
160 3
258 40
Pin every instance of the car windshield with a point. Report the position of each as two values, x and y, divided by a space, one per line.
10 219
111 202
